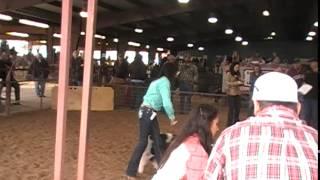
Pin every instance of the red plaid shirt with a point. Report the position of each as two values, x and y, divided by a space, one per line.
273 145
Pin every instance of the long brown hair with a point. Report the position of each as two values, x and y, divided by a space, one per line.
199 123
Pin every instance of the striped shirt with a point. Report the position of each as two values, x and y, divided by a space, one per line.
273 145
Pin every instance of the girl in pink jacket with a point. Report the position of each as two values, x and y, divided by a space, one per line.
187 155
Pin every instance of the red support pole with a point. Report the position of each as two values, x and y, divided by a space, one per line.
86 90
66 22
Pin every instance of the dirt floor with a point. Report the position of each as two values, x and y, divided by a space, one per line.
27 144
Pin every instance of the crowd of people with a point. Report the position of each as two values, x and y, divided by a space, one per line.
278 140
273 143
302 72
37 70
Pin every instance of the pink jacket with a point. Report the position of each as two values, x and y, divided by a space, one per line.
186 162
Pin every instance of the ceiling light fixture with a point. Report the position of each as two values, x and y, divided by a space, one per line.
24 35
82 33
170 39
116 40
312 33
228 31
201 48
183 1
238 39
190 45
99 36
273 33
83 14
43 41
316 24
160 49
135 44
266 13
138 30
57 35
212 20
5 17
309 38
147 46
244 43
33 23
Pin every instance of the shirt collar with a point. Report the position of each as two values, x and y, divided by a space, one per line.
278 111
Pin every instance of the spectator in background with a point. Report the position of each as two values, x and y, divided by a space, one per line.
310 100
7 74
188 77
234 82
121 68
275 59
254 76
137 69
225 68
187 155
137 74
275 144
296 72
76 69
236 57
39 71
257 59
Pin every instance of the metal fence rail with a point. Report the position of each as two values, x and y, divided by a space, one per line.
130 97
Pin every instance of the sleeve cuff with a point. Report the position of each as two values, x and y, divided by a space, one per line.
172 118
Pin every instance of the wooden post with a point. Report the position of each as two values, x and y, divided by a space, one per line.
86 90
66 21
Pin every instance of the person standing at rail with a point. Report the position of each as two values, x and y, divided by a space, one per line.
234 100
254 76
157 96
188 77
7 73
39 70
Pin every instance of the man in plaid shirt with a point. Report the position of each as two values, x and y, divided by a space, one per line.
275 144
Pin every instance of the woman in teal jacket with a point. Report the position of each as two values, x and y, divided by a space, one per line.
158 95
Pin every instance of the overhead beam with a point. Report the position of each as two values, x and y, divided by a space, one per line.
108 6
39 14
138 3
31 38
22 28
7 5
111 19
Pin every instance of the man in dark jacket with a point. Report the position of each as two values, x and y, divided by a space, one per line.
310 100
39 71
137 75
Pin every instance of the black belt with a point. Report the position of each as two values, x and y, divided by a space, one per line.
148 107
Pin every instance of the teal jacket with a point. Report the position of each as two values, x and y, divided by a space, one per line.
159 95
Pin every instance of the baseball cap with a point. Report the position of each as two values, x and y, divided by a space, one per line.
275 86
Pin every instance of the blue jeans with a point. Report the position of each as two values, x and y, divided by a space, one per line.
310 112
185 98
234 109
146 127
40 86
